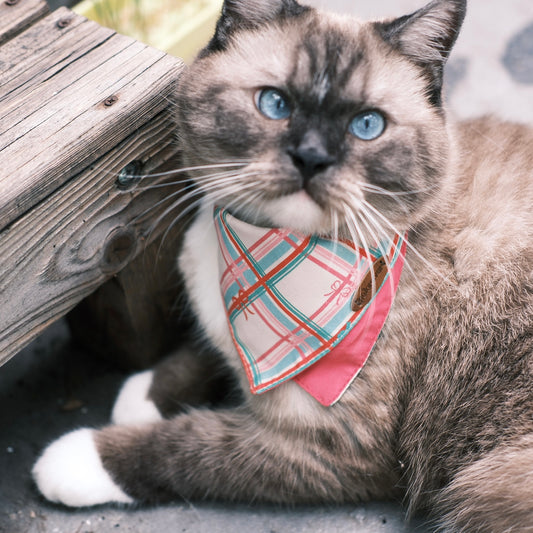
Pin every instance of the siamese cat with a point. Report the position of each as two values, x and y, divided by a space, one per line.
361 263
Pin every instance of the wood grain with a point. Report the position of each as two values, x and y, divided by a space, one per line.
81 235
53 119
17 15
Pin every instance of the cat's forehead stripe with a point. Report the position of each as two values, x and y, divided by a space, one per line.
324 61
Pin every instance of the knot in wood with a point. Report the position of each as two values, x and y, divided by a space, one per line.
119 249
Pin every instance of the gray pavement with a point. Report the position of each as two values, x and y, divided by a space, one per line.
51 388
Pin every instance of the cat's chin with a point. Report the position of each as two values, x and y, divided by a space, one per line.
297 211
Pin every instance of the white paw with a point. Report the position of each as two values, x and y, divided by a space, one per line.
70 472
133 407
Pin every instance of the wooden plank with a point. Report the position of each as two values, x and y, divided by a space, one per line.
25 57
54 118
17 15
82 234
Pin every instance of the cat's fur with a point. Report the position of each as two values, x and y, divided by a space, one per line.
443 410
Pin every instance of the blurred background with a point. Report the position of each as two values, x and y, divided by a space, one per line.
491 69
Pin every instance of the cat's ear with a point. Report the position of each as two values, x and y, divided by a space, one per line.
427 37
247 14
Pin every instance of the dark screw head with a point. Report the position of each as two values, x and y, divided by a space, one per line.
63 23
129 175
11 2
110 101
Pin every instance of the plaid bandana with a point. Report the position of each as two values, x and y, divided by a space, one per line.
303 307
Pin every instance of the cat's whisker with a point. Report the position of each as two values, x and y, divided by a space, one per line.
380 190
196 191
223 180
372 220
213 194
335 224
247 198
193 182
335 227
408 244
213 166
378 237
352 220
396 196
211 197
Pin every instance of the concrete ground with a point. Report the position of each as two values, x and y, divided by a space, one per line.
50 388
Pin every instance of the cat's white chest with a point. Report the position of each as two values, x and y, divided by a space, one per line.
198 262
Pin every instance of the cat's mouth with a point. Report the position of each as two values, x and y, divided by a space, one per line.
297 211
333 207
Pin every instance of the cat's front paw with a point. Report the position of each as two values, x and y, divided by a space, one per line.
70 472
133 405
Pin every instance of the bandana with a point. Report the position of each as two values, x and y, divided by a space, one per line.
304 307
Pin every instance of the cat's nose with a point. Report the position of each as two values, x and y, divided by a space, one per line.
311 157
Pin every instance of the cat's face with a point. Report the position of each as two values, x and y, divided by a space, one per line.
330 125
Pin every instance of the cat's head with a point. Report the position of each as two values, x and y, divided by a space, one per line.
316 121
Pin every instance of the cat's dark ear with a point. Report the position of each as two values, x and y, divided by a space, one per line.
427 37
247 14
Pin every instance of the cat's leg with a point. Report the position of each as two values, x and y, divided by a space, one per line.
225 454
494 493
186 378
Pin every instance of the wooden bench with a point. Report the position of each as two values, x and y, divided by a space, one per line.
83 112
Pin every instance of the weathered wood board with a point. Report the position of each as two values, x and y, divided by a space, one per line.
77 238
78 103
57 78
17 15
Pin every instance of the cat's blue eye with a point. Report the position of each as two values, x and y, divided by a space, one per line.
273 104
368 125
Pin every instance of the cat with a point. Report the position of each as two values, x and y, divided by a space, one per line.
310 125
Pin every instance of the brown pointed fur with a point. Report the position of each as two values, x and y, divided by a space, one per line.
443 410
